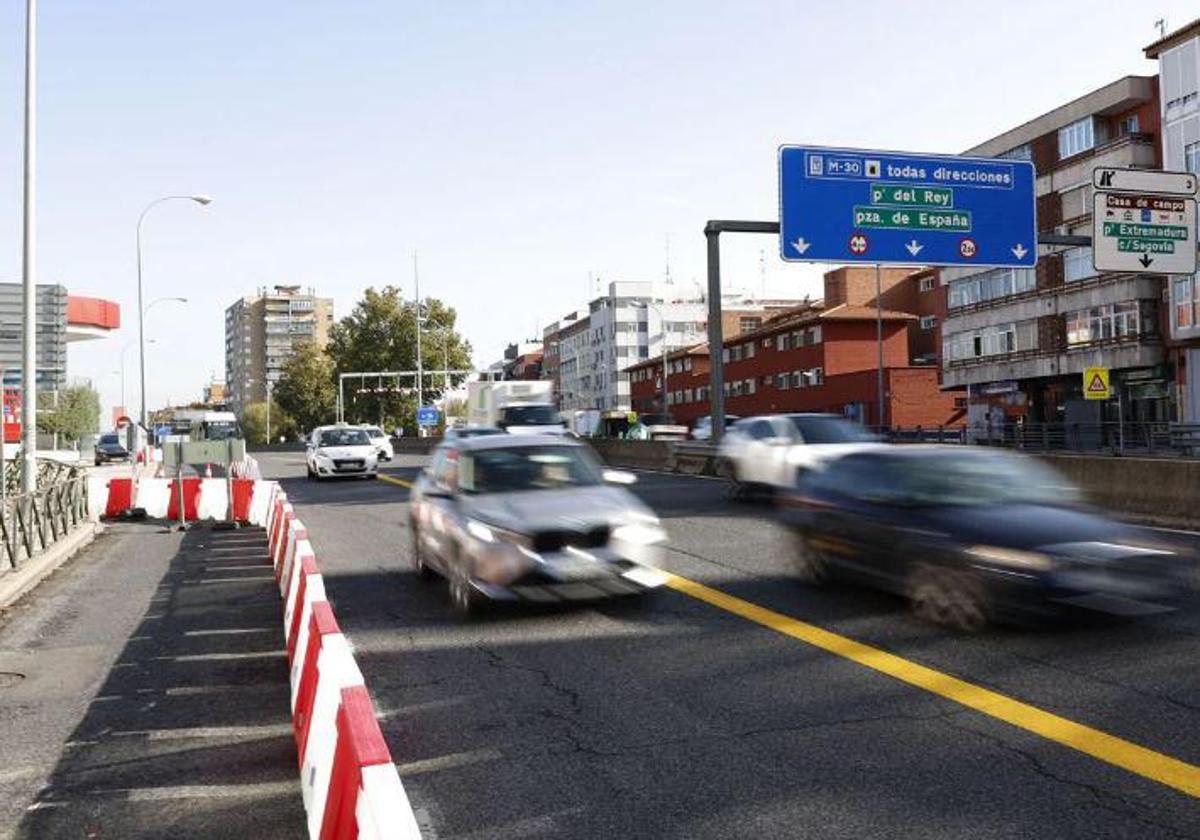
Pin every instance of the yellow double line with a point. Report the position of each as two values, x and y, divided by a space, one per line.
399 482
1145 762
1127 755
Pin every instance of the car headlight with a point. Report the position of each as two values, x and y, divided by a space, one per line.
321 456
1012 557
491 534
640 529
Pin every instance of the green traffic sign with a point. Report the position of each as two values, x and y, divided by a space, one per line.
1145 246
914 219
908 195
1140 231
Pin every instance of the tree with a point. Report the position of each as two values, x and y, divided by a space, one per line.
75 413
305 391
381 335
254 423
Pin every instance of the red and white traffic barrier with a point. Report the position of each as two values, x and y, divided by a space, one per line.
348 781
203 499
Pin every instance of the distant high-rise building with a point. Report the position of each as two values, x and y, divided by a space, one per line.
260 333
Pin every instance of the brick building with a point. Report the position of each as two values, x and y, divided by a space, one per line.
819 359
1019 339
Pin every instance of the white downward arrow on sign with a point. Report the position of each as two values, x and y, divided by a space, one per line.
800 245
914 247
1019 251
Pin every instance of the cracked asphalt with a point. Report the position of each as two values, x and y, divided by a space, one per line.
669 718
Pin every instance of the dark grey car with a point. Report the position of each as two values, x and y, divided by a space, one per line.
531 518
110 448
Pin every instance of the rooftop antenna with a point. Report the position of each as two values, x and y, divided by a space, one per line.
668 265
762 271
1161 23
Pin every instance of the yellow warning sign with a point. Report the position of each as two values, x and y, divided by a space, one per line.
1095 383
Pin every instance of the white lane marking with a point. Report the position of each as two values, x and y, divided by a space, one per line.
157 794
446 762
233 631
266 730
18 773
179 691
237 580
673 474
1175 531
258 566
220 657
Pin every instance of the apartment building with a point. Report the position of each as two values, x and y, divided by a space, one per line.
1178 56
260 333
1019 339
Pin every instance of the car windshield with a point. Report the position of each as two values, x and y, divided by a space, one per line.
466 433
815 429
109 439
656 420
374 431
344 437
531 415
221 429
971 479
526 468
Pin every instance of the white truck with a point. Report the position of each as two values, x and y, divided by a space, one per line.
518 407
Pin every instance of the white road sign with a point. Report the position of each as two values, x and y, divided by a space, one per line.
1143 232
1111 179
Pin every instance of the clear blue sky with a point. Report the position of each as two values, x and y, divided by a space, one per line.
517 146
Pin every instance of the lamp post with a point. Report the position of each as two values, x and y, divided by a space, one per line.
199 199
29 261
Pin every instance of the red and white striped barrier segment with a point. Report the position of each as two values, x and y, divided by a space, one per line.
348 781
203 498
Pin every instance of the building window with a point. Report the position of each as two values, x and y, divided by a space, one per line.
797 379
1191 157
767 342
781 382
1183 302
1102 323
928 322
751 386
748 350
737 387
785 341
991 285
812 335
1077 137
816 376
925 284
1127 125
725 355
1077 264
1022 152
749 324
991 341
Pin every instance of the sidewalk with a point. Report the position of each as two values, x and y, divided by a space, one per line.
143 693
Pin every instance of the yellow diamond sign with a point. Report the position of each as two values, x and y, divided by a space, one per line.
1095 384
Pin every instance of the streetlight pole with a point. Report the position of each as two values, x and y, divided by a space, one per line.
417 295
29 260
663 332
199 199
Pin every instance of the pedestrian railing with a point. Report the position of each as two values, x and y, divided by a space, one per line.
1108 438
32 522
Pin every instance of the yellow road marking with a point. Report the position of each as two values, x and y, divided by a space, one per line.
1144 762
393 480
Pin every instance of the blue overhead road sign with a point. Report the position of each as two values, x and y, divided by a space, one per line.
427 415
860 206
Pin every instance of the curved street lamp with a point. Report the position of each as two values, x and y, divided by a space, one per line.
199 199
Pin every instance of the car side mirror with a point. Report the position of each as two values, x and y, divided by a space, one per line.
619 477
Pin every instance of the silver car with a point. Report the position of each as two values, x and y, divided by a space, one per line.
531 518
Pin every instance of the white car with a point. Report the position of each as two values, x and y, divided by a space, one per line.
340 451
768 452
381 442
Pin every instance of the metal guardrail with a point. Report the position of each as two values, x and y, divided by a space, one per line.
1109 438
31 523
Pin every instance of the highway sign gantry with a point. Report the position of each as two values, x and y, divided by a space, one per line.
1144 221
862 206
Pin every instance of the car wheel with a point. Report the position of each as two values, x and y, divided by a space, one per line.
809 562
462 596
418 556
947 598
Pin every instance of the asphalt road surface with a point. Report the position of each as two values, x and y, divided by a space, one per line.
696 715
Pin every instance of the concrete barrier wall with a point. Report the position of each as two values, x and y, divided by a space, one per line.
1159 491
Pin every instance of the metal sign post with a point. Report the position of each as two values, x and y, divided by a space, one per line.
179 486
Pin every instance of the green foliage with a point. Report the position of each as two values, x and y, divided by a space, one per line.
254 423
380 334
305 391
77 412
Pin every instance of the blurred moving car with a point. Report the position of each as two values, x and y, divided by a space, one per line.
464 432
381 442
340 451
703 428
969 535
110 448
767 452
530 518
